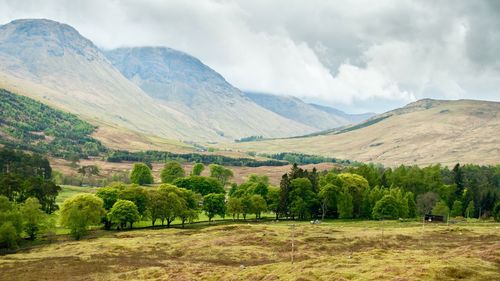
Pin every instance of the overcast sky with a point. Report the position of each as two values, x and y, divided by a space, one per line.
355 55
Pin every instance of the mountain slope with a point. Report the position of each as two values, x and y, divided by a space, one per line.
54 64
423 132
319 117
352 118
185 83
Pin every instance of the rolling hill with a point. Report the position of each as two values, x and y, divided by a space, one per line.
54 64
424 132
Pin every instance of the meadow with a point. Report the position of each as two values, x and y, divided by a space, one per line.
332 250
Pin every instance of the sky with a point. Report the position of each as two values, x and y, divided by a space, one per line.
359 55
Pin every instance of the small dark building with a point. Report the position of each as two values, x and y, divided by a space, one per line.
434 218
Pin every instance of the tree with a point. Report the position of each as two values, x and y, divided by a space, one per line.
191 205
344 205
137 195
302 197
387 208
171 171
441 209
456 210
327 196
11 224
87 171
258 205
34 218
220 173
470 211
80 212
175 206
214 204
234 207
355 185
426 201
199 184
496 212
109 195
141 174
273 200
412 206
123 212
156 204
197 169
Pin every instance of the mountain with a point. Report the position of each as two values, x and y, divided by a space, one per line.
317 116
185 83
54 64
424 132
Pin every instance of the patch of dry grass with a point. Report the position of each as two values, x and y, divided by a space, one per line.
330 251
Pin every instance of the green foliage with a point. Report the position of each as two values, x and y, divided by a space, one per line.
162 156
496 212
123 212
220 173
11 224
303 159
135 194
34 126
34 218
214 204
259 205
141 174
109 195
470 211
426 201
302 198
441 209
234 206
80 212
456 210
387 208
199 184
23 175
344 205
171 171
197 169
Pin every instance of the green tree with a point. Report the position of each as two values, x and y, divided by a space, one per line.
412 206
11 224
302 197
171 171
345 205
201 185
387 208
426 201
441 209
496 212
123 212
197 169
156 204
220 173
109 195
273 200
137 195
80 212
87 171
470 211
34 218
456 210
259 205
190 210
141 174
214 204
234 207
355 185
327 196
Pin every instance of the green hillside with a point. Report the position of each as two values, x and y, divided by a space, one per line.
30 125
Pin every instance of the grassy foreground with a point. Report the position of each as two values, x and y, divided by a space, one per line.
240 251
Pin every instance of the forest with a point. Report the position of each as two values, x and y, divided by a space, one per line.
27 194
30 125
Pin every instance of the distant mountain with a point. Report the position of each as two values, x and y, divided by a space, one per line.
423 132
185 83
54 64
317 116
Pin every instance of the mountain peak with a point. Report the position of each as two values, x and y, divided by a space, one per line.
57 38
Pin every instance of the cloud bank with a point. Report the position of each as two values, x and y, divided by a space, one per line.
356 55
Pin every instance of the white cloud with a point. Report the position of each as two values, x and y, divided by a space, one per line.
342 53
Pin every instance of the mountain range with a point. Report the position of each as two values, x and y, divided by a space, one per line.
151 90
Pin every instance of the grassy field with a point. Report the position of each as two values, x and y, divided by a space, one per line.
336 250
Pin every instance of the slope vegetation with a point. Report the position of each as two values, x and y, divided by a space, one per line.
424 132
